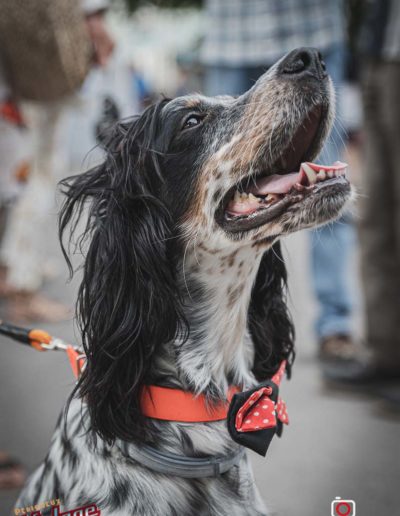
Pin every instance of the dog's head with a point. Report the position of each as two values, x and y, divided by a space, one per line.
218 171
232 146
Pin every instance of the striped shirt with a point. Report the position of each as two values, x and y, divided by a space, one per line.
258 32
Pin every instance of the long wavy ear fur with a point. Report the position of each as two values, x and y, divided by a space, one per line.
269 321
128 304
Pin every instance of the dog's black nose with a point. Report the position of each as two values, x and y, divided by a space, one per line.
303 61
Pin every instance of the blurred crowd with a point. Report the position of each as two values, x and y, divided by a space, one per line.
74 80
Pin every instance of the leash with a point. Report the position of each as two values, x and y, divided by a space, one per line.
253 417
40 340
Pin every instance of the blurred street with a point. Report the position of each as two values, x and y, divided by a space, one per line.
337 444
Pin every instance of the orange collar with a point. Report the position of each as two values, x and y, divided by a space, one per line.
177 405
183 406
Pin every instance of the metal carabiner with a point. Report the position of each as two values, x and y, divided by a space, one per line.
56 344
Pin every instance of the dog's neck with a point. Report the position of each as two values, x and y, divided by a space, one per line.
216 286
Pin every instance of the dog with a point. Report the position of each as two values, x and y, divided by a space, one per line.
183 286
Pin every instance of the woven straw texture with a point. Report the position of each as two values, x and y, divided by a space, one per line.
44 47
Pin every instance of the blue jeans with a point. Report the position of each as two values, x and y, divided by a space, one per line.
331 245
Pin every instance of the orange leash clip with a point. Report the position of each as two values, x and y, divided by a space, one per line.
77 360
38 338
43 341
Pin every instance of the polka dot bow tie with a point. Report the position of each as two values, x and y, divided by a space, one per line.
255 416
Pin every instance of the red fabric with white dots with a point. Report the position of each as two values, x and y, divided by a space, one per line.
281 411
277 378
259 411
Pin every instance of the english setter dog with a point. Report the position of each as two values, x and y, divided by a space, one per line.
183 289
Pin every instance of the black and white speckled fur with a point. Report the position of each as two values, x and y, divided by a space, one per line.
171 296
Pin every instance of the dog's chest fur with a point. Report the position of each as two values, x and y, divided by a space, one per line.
219 352
217 287
79 473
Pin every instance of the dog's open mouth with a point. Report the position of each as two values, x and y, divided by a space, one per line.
268 197
256 201
269 191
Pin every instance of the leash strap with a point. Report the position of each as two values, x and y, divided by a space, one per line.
181 466
43 341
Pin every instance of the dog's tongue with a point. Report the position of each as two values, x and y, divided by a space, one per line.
276 184
282 184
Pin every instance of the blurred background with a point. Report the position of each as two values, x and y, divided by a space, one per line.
100 61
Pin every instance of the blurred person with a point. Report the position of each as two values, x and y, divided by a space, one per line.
14 161
21 271
380 203
243 39
23 239
30 154
14 166
15 152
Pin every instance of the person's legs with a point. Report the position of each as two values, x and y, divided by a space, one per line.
15 152
331 249
380 217
332 245
25 240
379 231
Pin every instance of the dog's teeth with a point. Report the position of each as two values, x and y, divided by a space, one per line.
299 187
330 174
237 196
321 175
311 175
253 198
243 197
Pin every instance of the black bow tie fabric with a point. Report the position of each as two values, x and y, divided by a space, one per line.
256 415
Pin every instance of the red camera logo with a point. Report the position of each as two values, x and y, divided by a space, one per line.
341 507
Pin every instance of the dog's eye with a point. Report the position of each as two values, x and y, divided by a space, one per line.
192 121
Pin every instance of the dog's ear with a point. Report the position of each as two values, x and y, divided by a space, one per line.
127 302
269 321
